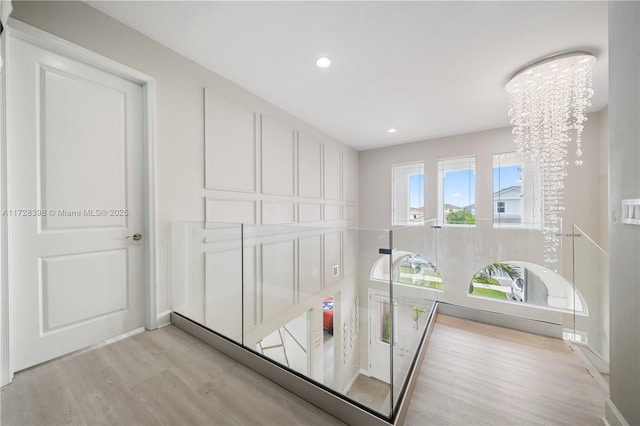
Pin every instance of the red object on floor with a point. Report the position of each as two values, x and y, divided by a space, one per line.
327 314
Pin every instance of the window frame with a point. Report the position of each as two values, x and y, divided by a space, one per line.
531 200
443 168
408 173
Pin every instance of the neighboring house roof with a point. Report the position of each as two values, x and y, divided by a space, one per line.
451 207
509 189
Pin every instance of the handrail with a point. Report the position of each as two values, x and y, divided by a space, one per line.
584 234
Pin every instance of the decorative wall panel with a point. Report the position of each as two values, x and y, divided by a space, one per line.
332 173
309 212
309 167
278 158
310 265
276 212
230 211
277 286
230 149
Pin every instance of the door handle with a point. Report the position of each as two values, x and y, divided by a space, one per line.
134 237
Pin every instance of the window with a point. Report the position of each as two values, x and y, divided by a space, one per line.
516 192
408 193
457 191
384 322
531 284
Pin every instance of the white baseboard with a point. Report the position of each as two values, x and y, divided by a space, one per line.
613 417
164 318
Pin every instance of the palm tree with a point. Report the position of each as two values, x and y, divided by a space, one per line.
499 269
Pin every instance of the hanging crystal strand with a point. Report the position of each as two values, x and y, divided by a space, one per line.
547 104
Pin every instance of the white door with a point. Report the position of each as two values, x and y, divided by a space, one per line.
75 162
380 335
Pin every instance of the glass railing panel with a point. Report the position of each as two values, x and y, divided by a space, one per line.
330 303
416 283
367 341
415 260
505 269
591 297
307 306
347 308
206 275
279 312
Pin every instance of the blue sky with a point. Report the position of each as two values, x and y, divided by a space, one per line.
457 185
416 184
506 176
460 188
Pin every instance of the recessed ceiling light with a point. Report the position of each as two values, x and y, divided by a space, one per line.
391 131
323 62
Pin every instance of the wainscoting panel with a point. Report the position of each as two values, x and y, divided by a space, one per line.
278 158
276 212
223 284
309 213
230 211
310 265
332 173
278 283
309 167
230 149
332 212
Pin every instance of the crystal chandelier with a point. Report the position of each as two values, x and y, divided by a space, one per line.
547 102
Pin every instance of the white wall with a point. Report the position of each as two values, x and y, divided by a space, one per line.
603 238
624 182
181 178
582 185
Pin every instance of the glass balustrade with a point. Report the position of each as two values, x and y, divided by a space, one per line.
348 308
416 283
591 303
302 297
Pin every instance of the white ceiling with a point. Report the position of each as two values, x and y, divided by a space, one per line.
429 69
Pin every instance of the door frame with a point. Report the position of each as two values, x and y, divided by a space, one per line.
374 319
72 51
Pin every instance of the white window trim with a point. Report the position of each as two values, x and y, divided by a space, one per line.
394 195
512 159
464 164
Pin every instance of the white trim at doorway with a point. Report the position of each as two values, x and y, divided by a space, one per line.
60 46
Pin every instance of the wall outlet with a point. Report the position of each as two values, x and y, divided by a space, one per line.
335 270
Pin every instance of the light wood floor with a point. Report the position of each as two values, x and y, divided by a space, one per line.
480 374
162 377
472 374
371 392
